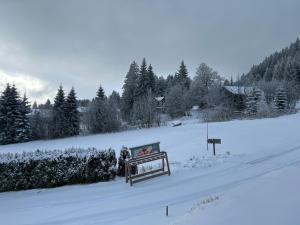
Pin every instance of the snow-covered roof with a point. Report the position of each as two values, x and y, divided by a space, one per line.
195 107
240 90
159 98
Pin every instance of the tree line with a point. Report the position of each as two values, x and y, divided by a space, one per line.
274 85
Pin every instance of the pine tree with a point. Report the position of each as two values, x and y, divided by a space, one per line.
14 122
5 116
144 82
72 114
160 86
151 77
58 115
34 105
175 102
23 130
144 111
263 108
100 94
97 113
280 100
48 104
16 115
250 104
255 102
124 155
129 90
115 99
181 77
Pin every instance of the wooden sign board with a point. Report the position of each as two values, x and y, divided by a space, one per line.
214 141
145 150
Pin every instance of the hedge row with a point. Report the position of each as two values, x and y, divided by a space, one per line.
44 169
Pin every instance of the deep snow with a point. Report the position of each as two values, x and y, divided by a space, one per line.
253 180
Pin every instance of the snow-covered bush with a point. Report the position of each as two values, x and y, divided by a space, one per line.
44 169
124 154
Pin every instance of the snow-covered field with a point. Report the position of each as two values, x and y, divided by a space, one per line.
254 179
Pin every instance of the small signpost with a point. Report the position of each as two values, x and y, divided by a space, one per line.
214 141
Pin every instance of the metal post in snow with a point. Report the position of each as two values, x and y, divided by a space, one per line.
207 136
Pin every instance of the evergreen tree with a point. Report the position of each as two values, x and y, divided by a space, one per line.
124 155
280 100
255 100
39 126
175 102
58 115
181 77
160 86
100 94
34 106
263 108
129 90
72 114
145 79
144 111
14 123
16 115
151 77
101 116
48 104
226 83
6 119
23 131
170 82
115 99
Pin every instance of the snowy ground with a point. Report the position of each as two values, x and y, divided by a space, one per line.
253 180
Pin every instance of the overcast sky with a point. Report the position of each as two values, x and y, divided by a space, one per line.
84 43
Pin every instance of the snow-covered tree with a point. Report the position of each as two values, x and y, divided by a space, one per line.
23 130
146 80
182 77
175 102
255 102
58 115
101 115
280 101
160 86
152 79
124 154
100 94
205 81
14 122
129 90
144 111
72 114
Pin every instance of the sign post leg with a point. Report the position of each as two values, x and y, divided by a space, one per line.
214 149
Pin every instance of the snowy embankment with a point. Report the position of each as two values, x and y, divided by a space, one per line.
258 175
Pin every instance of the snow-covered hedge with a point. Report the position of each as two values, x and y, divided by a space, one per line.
44 169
